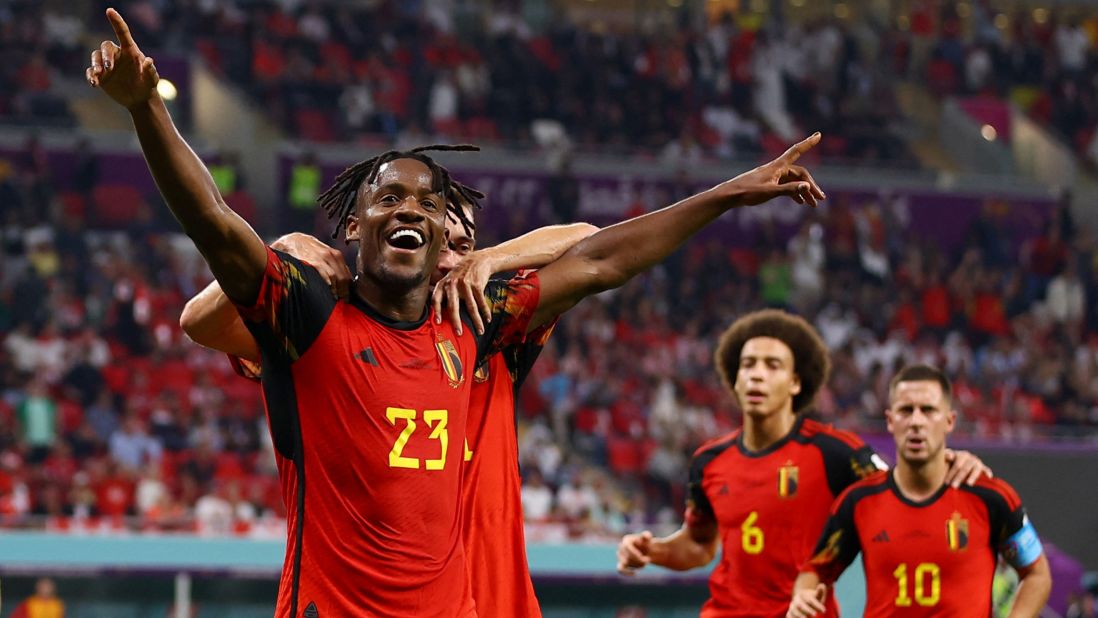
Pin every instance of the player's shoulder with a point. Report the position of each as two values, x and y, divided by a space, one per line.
863 488
827 437
994 489
716 446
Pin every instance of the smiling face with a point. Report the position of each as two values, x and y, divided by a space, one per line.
399 224
766 381
920 417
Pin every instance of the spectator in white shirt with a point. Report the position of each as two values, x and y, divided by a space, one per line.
537 498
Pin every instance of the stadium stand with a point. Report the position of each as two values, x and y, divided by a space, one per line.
98 382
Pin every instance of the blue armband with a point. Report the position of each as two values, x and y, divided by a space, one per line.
1023 548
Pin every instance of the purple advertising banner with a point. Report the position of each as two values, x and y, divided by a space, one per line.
518 202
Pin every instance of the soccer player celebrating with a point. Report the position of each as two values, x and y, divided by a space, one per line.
763 491
929 549
362 395
493 534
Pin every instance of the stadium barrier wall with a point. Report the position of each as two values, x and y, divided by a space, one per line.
573 580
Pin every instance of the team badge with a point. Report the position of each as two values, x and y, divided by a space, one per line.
451 362
481 374
788 476
957 532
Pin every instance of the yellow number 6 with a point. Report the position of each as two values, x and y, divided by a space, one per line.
751 535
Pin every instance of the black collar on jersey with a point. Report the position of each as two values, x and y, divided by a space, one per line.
385 320
773 447
895 487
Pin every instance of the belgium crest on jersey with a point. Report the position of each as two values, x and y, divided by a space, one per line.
788 475
451 362
957 532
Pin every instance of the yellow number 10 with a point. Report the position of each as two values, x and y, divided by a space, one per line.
435 419
921 572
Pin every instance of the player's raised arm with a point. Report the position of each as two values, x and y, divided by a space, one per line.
465 283
235 253
615 254
210 319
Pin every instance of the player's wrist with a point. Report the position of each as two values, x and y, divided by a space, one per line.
730 193
145 107
494 259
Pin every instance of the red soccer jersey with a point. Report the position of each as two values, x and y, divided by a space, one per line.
495 543
769 507
368 417
930 558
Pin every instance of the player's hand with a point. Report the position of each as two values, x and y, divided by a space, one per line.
465 285
964 467
782 176
121 70
328 261
633 552
808 602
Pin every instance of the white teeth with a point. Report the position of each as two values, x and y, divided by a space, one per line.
410 233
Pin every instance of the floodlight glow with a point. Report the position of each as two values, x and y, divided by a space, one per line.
167 90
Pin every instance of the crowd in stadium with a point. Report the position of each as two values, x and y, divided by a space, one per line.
97 382
744 85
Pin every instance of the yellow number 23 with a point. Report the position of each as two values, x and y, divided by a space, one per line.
436 421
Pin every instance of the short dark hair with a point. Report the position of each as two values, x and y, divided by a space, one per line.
811 362
921 373
339 200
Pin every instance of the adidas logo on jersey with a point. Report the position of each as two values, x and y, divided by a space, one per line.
724 490
367 356
310 611
882 537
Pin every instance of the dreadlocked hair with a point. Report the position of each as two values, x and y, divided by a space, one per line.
339 200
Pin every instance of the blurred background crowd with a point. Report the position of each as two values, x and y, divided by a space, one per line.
111 419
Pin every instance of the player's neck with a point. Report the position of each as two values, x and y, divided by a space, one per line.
406 306
920 481
762 431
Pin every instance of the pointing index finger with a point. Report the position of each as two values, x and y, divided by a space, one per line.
121 30
796 150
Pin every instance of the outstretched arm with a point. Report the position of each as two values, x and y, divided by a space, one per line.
235 253
210 319
465 283
619 252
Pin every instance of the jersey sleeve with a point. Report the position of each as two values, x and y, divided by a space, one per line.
1012 534
249 370
699 511
838 544
293 305
513 304
520 357
847 460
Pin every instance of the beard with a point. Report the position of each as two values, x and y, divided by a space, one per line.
395 280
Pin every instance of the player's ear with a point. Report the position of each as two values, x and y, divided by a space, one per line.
352 229
888 419
795 389
951 420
